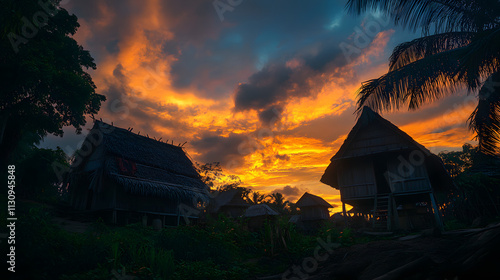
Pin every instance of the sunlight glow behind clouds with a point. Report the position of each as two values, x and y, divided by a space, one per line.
182 69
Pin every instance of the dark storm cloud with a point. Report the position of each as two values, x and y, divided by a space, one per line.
264 88
217 148
329 53
291 193
277 82
298 74
271 115
251 36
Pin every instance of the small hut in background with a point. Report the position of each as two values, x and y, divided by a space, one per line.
387 176
258 214
313 211
131 178
230 203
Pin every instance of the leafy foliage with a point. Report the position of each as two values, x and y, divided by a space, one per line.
215 178
459 161
279 202
476 195
255 197
44 84
37 176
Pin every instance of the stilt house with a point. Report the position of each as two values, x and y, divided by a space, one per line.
313 211
386 175
313 207
129 177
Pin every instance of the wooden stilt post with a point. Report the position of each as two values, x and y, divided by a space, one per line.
345 214
435 209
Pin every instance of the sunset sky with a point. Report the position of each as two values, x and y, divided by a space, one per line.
266 88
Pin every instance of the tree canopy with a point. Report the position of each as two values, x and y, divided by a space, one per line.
43 75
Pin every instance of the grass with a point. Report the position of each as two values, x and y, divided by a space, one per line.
220 249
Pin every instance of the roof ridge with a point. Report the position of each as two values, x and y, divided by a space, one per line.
135 134
367 117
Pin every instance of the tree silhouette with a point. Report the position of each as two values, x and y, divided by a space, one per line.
254 197
215 178
44 84
279 202
460 48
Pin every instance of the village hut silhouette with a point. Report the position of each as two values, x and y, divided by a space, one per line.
386 176
126 177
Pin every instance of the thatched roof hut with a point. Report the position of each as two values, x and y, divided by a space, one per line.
229 202
311 200
258 215
379 167
119 171
313 207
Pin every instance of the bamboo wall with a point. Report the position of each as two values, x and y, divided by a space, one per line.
356 179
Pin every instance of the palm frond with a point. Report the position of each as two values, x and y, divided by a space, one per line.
421 81
485 119
419 48
482 58
437 15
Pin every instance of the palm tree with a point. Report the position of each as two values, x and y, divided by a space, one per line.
459 49
255 197
278 200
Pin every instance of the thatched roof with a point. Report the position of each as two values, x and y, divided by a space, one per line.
311 200
260 210
141 149
161 169
373 135
228 198
384 137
